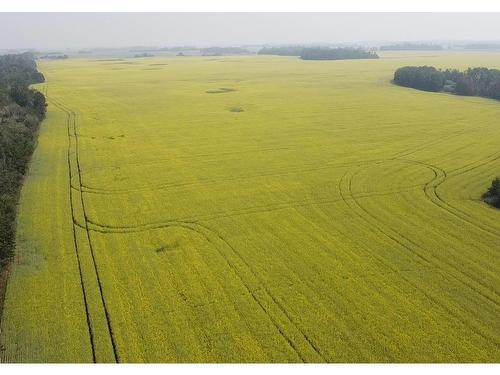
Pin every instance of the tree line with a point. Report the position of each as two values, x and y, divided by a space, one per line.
482 82
482 46
282 51
319 53
336 54
219 51
21 111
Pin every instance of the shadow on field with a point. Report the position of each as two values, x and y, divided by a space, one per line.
220 90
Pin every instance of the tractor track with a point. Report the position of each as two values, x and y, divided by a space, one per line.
191 226
373 227
74 222
202 230
204 182
430 189
70 113
416 245
106 228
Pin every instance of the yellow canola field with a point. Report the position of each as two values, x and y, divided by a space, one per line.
257 209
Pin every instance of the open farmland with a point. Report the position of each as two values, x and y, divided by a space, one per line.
250 209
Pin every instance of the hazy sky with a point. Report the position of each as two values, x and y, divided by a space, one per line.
81 30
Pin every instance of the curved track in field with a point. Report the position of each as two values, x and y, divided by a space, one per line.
376 225
353 201
209 235
73 134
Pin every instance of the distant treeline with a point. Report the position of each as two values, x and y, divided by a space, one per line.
482 46
21 110
482 82
218 51
164 49
319 53
144 54
492 196
336 54
282 51
210 51
411 47
51 56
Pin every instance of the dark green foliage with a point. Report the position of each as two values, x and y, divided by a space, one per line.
492 196
425 78
282 51
479 82
21 110
465 86
19 69
19 95
472 82
336 54
38 103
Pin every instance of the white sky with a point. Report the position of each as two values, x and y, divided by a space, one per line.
86 30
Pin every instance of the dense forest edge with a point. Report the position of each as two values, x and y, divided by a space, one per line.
482 82
21 111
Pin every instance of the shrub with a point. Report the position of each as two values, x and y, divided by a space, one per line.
492 195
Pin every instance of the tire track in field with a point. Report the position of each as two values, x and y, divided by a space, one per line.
416 245
453 267
106 229
228 262
162 186
438 173
77 253
426 145
353 197
200 229
313 168
439 177
380 229
72 132
481 162
478 164
431 192
484 161
313 345
395 270
109 229
348 198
